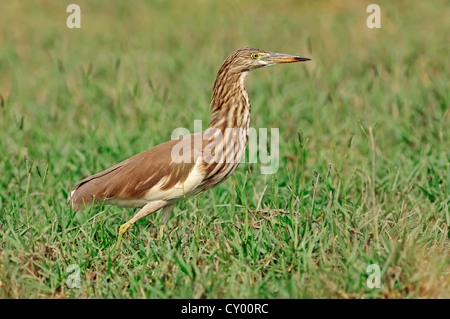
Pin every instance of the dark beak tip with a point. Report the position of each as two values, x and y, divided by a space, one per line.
300 58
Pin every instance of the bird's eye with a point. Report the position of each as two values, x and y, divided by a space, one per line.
255 56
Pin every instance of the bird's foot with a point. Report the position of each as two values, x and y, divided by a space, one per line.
122 230
161 231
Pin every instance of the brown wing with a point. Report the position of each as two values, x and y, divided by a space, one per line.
132 178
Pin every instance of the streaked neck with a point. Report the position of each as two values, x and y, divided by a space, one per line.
230 105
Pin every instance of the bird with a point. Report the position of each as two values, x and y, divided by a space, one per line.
189 165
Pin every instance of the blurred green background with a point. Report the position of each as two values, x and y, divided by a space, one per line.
369 114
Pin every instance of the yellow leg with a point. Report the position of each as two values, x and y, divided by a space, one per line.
161 231
122 230
146 210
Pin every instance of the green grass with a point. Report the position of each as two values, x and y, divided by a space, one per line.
364 149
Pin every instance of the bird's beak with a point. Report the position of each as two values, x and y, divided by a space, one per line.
273 58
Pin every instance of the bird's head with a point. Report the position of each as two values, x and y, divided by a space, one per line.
247 59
